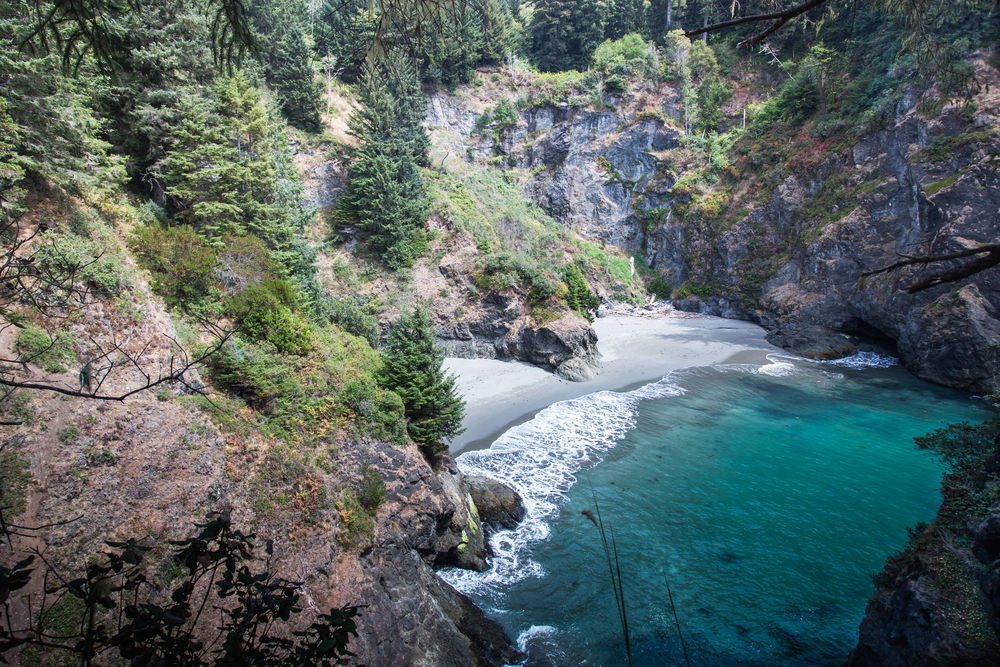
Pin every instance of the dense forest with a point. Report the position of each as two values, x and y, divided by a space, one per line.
152 159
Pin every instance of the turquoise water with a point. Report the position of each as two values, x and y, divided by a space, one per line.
764 495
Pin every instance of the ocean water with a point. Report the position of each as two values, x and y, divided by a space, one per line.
763 496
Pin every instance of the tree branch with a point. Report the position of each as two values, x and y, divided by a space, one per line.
961 272
780 19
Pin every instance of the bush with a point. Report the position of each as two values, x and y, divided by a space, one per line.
660 288
579 297
242 262
180 260
962 445
356 315
265 312
37 347
372 491
629 47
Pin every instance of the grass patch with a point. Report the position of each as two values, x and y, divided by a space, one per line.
52 353
935 188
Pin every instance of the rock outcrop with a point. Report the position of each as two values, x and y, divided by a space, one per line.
943 608
500 507
567 346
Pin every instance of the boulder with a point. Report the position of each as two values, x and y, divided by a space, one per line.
500 507
813 342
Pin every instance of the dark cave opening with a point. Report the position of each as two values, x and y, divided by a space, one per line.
869 337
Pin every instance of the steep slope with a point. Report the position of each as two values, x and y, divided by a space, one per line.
151 466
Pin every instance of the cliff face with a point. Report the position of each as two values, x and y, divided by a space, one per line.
781 242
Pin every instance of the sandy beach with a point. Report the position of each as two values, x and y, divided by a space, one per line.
635 351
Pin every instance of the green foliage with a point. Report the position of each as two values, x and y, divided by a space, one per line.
660 288
179 259
356 525
962 445
266 312
371 493
579 297
297 88
52 353
412 368
356 315
629 47
15 477
301 397
694 289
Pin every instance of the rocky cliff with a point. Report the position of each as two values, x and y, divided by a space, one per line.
151 466
784 236
938 602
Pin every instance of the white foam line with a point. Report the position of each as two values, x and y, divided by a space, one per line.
539 459
865 360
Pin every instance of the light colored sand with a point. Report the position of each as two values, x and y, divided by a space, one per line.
635 351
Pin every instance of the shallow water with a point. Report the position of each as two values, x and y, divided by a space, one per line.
764 496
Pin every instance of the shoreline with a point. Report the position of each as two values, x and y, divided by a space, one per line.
635 351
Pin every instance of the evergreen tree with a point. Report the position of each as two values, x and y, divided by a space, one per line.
412 368
296 83
564 33
498 31
624 17
386 192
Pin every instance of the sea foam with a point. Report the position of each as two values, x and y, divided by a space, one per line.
539 459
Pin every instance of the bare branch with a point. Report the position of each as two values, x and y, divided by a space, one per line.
779 18
961 272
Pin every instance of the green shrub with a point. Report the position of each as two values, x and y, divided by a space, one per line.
15 471
356 315
180 260
660 288
579 297
265 312
37 347
242 262
371 493
357 527
614 85
629 47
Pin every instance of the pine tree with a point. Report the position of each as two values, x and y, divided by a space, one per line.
564 33
296 83
412 368
386 191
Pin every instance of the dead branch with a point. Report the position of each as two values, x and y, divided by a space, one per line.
175 372
779 18
960 272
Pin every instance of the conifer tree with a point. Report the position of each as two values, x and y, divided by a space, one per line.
386 190
564 33
296 83
412 368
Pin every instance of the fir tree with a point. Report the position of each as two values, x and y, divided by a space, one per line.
386 192
296 83
564 33
412 368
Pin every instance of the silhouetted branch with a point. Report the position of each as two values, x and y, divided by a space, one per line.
961 272
779 18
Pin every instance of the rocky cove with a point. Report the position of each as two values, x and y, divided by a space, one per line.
786 250
781 240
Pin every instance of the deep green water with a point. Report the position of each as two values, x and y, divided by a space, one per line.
765 499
